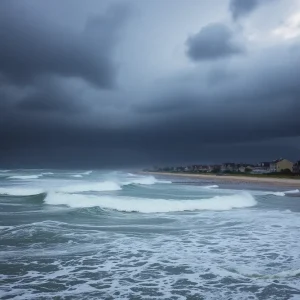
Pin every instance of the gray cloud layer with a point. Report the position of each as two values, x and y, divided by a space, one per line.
61 103
213 41
30 48
241 8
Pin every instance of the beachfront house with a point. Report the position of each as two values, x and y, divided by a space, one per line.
281 164
296 167
214 168
262 168
228 167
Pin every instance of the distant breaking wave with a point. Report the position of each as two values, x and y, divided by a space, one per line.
87 172
280 194
25 176
211 186
104 186
145 205
19 191
145 180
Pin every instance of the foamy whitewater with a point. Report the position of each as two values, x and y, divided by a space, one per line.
90 234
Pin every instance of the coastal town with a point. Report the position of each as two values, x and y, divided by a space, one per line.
278 166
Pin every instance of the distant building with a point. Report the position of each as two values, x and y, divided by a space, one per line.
281 164
262 167
213 168
296 167
228 167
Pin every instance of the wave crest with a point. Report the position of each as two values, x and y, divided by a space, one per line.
148 180
25 176
145 205
16 191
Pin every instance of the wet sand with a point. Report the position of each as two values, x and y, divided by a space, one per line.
237 179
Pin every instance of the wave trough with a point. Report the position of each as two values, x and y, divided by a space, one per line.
91 187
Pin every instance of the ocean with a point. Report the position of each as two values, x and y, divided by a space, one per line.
67 234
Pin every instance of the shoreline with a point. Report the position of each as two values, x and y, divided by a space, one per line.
234 179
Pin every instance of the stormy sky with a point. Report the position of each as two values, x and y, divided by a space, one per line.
132 83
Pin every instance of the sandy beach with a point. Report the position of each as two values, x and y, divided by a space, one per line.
235 179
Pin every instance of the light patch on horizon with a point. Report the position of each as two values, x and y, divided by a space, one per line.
290 29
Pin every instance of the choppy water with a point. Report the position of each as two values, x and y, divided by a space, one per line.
116 235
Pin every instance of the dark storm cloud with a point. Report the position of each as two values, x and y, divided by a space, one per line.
49 96
240 8
57 107
211 42
260 101
31 47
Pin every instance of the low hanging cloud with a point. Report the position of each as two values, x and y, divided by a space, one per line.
242 8
213 41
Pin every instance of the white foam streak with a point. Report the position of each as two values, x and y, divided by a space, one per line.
87 173
77 175
280 194
145 205
25 177
91 187
292 192
211 186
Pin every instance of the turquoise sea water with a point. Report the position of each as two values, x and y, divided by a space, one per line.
116 235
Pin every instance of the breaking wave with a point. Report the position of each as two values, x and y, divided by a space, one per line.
25 176
91 187
292 192
103 186
149 180
281 194
16 191
87 173
146 205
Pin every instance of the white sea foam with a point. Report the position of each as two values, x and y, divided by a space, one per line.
19 191
91 187
25 177
132 175
47 173
279 194
292 192
87 173
145 205
77 175
148 180
211 186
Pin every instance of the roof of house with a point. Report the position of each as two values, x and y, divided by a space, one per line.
277 160
264 164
